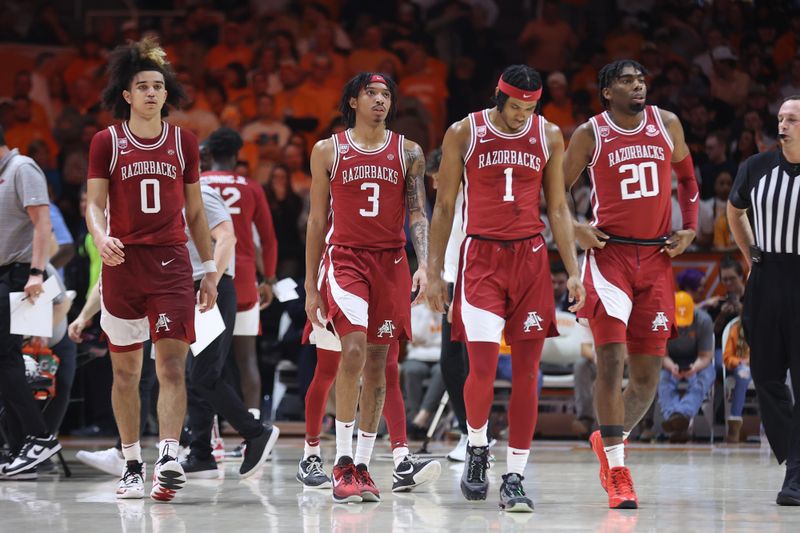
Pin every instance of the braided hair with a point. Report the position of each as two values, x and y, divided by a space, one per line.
520 76
611 72
125 62
354 86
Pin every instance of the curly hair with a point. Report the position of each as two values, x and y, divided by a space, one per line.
224 144
520 76
354 86
125 62
611 72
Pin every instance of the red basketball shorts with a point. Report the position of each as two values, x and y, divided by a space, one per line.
150 295
630 297
368 290
503 288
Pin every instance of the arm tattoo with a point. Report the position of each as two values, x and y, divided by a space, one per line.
415 198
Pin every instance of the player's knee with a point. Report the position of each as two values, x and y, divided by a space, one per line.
171 370
126 378
353 359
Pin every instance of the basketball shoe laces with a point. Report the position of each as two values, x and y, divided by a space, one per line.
131 473
514 487
622 482
478 467
348 472
314 466
365 477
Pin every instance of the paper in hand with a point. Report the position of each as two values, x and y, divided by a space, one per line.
34 319
284 290
207 326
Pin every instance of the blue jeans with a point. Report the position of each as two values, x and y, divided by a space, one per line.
743 379
688 405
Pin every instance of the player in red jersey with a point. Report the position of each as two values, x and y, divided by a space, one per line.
630 150
368 175
141 173
248 206
505 156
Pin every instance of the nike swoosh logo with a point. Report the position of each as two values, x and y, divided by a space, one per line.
165 263
346 157
336 482
515 453
536 248
34 452
348 425
398 260
693 199
526 95
125 152
408 470
609 139
487 140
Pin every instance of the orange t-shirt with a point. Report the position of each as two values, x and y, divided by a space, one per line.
21 135
219 57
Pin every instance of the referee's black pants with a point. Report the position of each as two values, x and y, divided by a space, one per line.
208 392
771 319
455 367
17 394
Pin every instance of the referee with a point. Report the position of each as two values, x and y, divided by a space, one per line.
25 229
768 185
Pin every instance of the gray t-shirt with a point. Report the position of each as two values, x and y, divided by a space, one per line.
699 337
22 184
216 213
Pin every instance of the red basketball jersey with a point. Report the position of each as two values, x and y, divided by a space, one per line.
247 205
631 173
368 194
146 179
503 179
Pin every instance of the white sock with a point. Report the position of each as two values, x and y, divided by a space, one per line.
364 446
625 435
256 413
132 452
398 454
615 455
477 437
516 459
309 450
344 439
168 447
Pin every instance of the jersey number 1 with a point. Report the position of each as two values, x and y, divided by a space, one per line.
509 196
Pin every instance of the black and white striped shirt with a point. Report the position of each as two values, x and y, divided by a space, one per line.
770 186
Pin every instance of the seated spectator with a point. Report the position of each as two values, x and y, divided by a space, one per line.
690 359
559 109
25 131
286 207
712 228
559 276
736 357
232 48
723 309
421 363
692 281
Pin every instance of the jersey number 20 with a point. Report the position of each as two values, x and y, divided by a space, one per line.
642 181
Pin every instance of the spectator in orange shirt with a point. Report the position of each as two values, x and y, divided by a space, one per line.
87 63
422 83
322 45
266 123
559 109
22 87
295 162
371 53
625 40
728 83
316 88
191 116
231 49
548 39
267 64
24 131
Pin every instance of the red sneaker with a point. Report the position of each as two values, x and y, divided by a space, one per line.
597 446
346 485
620 489
369 492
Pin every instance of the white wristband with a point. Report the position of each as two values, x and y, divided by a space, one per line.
210 266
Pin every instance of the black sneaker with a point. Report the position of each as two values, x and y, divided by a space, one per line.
34 451
474 484
790 492
196 468
512 495
414 472
311 474
257 450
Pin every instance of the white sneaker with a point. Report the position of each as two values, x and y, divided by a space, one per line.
109 461
131 485
459 453
168 478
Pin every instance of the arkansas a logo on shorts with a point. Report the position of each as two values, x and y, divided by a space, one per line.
386 329
533 321
661 321
162 322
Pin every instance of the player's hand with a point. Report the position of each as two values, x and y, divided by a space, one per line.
438 299
264 294
315 307
419 284
34 288
110 249
589 236
207 295
76 328
577 293
678 242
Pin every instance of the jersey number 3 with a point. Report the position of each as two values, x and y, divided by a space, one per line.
372 198
642 181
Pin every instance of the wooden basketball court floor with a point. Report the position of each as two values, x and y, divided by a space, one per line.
686 489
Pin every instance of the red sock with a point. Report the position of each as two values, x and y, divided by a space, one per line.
479 387
394 410
317 395
523 408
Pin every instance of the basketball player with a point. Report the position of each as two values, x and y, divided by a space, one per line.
410 472
248 206
142 172
209 392
630 150
367 174
506 156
